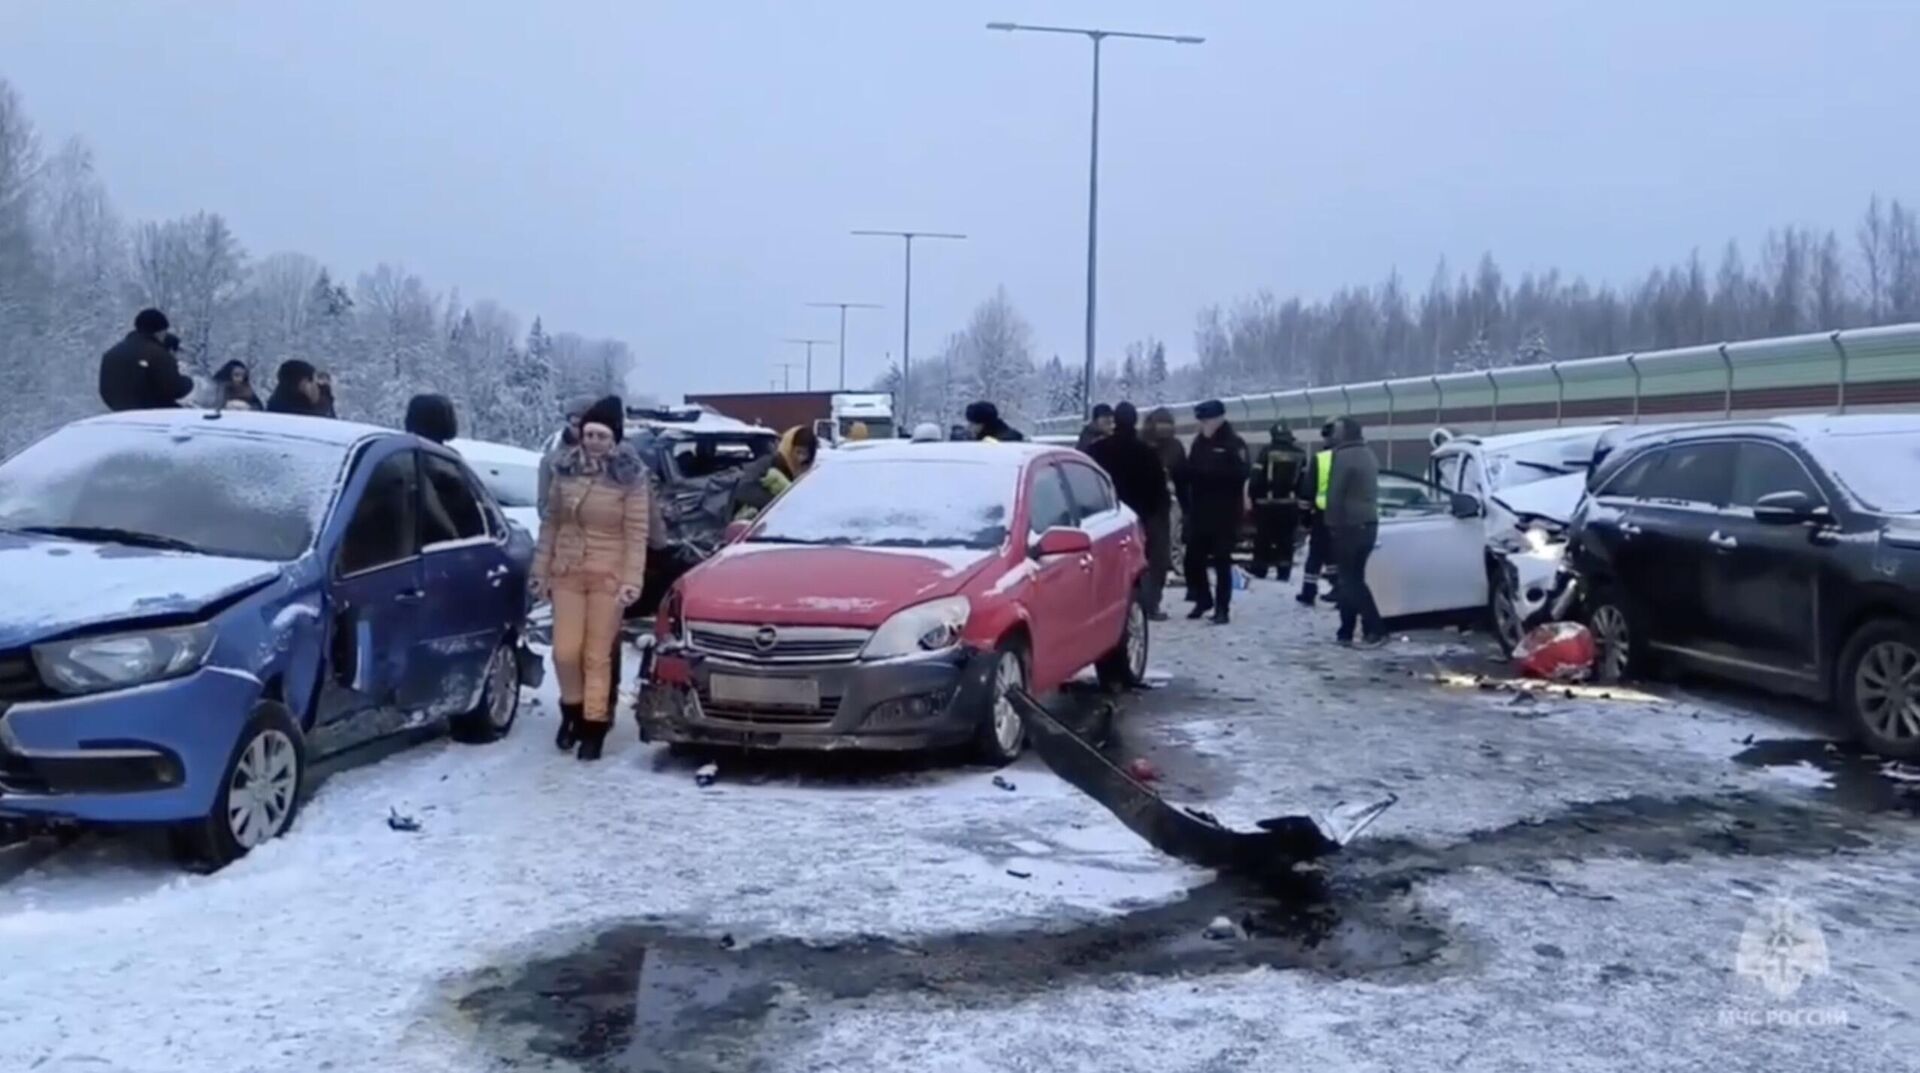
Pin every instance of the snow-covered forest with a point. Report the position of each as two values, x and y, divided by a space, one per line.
1800 281
73 272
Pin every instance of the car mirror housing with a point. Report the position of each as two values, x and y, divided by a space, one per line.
1465 506
1061 540
1787 508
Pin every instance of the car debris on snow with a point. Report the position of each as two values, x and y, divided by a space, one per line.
1001 783
1142 769
397 822
1220 930
707 775
1017 874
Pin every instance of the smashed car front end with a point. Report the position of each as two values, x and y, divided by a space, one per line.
810 688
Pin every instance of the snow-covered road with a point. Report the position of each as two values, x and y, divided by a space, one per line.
1565 882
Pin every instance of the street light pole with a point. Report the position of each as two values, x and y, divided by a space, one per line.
1093 166
843 307
906 313
786 374
810 344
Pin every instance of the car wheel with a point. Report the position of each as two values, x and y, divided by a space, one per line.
1504 610
1879 688
499 702
1002 733
1126 665
1619 645
259 792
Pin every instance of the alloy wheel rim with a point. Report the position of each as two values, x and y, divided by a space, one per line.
1007 727
1610 633
1886 689
1137 641
503 693
260 793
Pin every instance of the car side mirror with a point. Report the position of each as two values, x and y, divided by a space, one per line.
1464 506
1061 540
1787 508
736 531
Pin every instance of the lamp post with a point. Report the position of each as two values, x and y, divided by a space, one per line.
810 344
786 374
843 307
1093 160
906 312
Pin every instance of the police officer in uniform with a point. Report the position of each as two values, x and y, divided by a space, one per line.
1217 469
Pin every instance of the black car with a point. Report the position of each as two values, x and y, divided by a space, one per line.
1784 554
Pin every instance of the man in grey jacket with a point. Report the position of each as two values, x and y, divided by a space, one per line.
1353 525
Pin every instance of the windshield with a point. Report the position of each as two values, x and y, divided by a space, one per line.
1541 461
898 503
218 493
1878 468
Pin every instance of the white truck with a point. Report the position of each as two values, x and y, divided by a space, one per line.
874 409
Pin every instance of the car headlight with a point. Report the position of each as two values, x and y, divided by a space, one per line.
929 627
96 664
1538 538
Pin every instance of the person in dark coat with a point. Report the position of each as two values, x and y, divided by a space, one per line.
1276 507
233 388
139 372
432 417
1353 527
1217 468
984 424
1162 437
1140 480
1097 429
296 390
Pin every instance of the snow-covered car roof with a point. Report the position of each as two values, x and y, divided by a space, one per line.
697 419
482 452
1008 454
243 422
1513 441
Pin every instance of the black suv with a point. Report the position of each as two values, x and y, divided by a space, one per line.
1785 554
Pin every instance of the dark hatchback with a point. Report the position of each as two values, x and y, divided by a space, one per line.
1785 554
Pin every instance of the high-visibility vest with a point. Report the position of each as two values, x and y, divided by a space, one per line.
1323 476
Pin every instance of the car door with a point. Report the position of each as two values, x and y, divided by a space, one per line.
374 599
1113 530
1061 597
1678 507
1425 560
1606 546
1760 588
465 573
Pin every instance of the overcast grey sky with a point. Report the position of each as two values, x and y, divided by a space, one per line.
684 175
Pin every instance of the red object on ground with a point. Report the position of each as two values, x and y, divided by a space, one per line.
1142 770
1557 652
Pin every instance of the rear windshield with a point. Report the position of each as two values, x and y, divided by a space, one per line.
1878 468
222 494
895 504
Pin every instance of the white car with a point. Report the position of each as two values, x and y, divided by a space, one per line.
512 474
1481 528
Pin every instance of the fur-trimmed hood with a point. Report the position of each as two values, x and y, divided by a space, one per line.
622 465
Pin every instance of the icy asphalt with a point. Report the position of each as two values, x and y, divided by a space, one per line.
1565 882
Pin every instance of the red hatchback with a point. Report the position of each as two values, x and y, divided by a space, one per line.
893 597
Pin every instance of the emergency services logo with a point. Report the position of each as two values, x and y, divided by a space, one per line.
1781 948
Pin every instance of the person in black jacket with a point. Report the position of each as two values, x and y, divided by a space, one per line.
139 372
1163 437
432 417
1217 468
1099 428
984 423
1276 508
1140 480
296 390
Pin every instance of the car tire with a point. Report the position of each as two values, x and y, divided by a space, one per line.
260 791
1620 651
1002 735
1126 666
1503 613
1878 688
499 706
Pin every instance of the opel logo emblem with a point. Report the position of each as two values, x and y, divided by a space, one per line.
765 638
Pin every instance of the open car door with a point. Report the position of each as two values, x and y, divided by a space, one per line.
1428 559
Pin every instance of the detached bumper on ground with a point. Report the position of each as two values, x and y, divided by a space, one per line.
924 702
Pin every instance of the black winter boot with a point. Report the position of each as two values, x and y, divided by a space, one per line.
592 737
569 733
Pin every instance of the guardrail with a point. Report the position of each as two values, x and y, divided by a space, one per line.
1843 371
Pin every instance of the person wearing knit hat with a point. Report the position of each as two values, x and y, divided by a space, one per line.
591 561
1217 468
139 372
985 424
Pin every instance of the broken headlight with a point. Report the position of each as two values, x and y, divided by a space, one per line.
98 664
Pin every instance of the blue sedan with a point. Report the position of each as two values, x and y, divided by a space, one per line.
195 606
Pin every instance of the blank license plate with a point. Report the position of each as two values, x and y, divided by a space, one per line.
766 692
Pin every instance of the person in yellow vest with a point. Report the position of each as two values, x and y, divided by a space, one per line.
1314 479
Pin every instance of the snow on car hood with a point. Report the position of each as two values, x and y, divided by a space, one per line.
1554 498
56 586
822 586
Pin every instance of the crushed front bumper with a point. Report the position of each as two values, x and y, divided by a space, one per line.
924 702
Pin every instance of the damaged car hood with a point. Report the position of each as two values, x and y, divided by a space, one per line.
1553 499
55 586
826 586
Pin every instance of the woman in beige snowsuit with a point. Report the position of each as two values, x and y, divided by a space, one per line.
591 561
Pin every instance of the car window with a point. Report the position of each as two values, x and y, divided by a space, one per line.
1091 492
382 530
1762 469
1627 482
448 509
1047 503
1446 471
1692 473
1402 494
